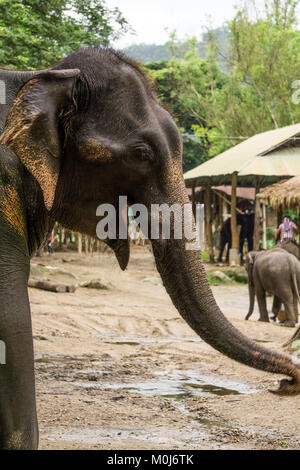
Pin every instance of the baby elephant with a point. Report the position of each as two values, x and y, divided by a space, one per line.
278 272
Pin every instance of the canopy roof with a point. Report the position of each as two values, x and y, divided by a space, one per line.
285 194
271 156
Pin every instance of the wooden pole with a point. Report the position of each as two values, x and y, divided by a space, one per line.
234 231
221 212
79 241
264 224
227 200
279 216
234 257
256 217
194 198
60 237
51 286
86 244
208 222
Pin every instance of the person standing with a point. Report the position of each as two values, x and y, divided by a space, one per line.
50 240
286 230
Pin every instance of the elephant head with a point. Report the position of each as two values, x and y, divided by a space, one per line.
249 264
90 130
290 247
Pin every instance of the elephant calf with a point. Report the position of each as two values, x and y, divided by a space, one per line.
278 272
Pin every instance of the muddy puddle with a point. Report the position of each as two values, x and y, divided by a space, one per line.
173 384
177 385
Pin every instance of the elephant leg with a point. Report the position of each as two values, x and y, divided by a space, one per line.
222 246
262 303
241 249
250 242
276 307
18 420
290 314
296 312
228 249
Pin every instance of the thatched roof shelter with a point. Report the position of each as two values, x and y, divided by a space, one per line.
266 157
283 195
259 161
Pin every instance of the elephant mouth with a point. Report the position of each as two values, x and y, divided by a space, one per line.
121 249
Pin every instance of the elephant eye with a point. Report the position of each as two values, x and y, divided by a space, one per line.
146 154
143 152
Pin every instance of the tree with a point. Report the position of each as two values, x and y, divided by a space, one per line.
167 78
35 34
250 90
264 58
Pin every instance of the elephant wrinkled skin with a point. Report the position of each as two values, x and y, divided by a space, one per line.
79 134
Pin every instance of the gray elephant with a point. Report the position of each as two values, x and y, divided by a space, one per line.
75 136
290 246
293 248
277 272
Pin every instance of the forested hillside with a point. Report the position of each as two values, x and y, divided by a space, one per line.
157 52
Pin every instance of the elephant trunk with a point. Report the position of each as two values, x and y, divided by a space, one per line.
251 298
184 278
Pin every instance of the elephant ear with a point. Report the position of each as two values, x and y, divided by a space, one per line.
32 126
252 255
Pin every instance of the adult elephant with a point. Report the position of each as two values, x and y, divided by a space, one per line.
293 248
278 272
246 224
80 134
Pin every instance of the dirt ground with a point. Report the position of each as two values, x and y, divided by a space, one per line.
118 368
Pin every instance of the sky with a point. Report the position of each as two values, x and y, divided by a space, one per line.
149 18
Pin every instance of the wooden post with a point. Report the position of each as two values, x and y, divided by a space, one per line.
86 244
60 237
221 211
279 216
264 224
208 222
214 215
79 241
194 198
234 257
256 217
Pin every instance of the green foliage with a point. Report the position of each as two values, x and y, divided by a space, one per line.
271 238
219 103
188 86
292 214
195 86
146 53
35 34
264 56
166 80
215 281
235 278
204 256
